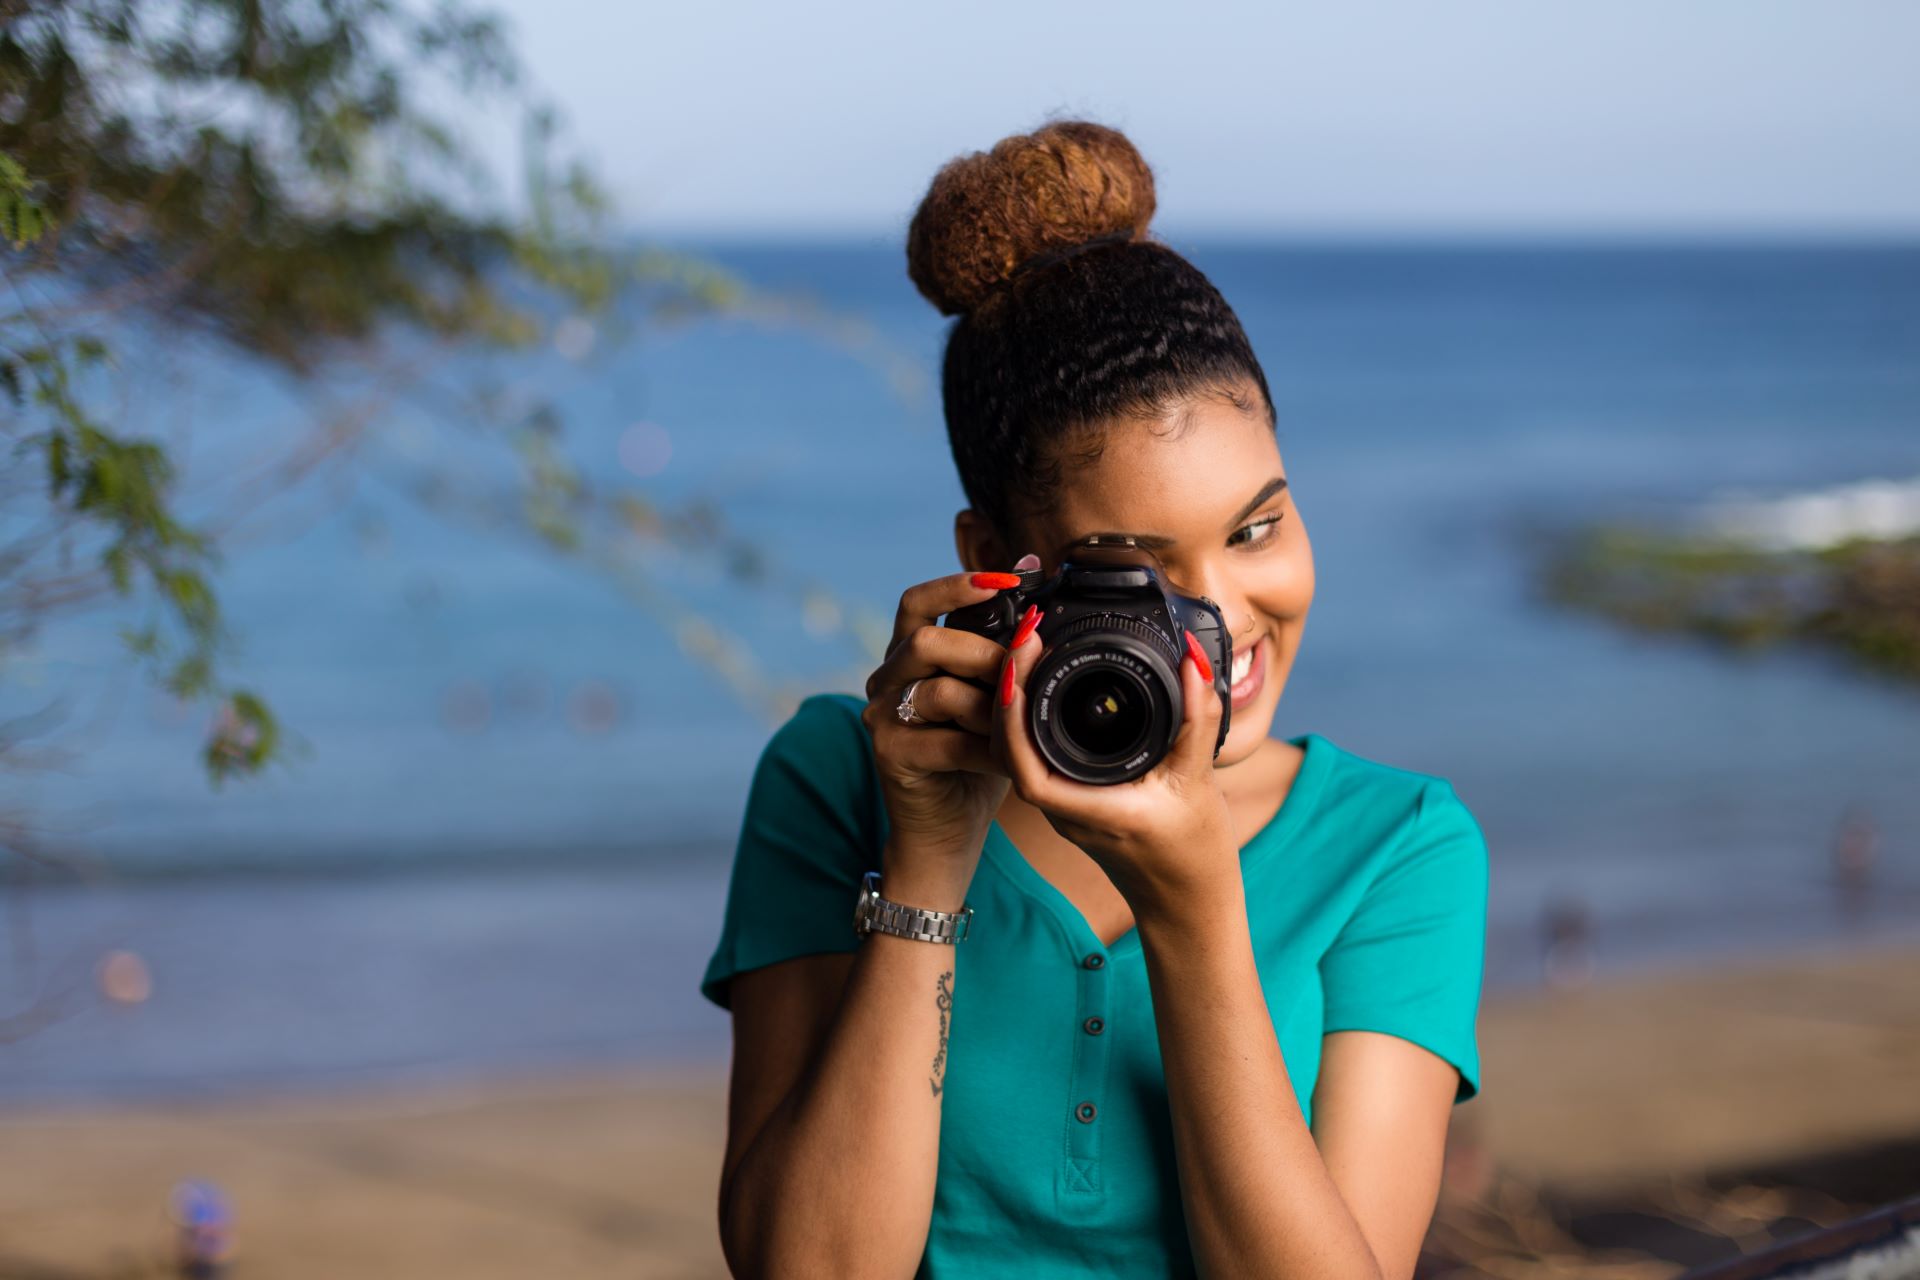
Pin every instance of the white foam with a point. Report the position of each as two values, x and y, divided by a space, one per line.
1875 509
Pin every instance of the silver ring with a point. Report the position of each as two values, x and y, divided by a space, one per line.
908 713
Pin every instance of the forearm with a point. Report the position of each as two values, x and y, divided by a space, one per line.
1257 1195
839 1182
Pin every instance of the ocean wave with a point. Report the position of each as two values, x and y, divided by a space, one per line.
1874 509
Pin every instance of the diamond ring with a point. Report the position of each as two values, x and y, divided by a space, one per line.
908 713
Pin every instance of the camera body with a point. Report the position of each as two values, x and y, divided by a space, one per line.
1104 705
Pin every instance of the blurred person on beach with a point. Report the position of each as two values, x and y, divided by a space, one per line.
1212 1020
1566 934
203 1230
1856 847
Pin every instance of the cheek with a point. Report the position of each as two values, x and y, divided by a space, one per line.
1294 576
1285 588
1303 586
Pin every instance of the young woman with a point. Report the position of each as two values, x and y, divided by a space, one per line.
1209 1022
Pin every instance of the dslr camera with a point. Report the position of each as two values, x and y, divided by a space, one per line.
1104 704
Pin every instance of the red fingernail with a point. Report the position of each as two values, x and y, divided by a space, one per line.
1199 657
1006 683
998 581
1028 621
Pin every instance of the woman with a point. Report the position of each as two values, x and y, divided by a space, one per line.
1212 1021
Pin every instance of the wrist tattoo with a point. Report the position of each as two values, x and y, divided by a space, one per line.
943 1000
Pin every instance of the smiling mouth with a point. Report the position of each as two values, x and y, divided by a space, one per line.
1248 674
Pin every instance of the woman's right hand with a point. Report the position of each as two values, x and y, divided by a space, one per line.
940 781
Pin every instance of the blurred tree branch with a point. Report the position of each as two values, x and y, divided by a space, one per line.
261 174
283 181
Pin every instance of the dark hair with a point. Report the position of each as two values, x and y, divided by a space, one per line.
1068 316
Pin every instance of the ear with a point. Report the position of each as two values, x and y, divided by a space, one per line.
978 546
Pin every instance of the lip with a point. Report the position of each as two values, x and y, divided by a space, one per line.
1248 689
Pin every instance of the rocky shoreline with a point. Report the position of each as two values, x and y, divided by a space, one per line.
1836 569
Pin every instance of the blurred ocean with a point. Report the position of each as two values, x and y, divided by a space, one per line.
508 845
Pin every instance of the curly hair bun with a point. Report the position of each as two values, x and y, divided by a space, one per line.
987 212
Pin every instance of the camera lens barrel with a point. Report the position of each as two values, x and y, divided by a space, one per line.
1106 702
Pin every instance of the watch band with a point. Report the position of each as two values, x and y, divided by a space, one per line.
875 913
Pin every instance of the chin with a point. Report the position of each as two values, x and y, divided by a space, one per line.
1249 729
1253 722
1244 737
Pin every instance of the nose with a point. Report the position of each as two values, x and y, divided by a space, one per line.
1231 616
1240 620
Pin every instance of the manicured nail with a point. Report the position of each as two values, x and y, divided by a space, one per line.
1027 561
1028 621
1199 657
1006 683
998 581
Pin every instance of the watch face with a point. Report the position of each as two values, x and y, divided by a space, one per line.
863 905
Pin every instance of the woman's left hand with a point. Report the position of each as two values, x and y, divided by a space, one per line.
1157 837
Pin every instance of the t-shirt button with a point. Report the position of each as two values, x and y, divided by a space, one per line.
1084 1112
1094 961
1094 1026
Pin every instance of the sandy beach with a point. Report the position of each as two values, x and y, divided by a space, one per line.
1598 1103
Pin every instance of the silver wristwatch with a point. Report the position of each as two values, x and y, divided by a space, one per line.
872 912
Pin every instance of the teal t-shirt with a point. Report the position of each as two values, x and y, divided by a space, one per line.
1366 898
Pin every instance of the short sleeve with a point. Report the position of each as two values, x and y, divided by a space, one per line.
1409 961
812 828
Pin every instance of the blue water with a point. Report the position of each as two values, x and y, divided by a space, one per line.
508 839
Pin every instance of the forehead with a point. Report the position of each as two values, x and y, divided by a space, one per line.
1190 471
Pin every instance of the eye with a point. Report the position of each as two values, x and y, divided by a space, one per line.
1260 532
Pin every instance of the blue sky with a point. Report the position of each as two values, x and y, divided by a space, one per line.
1345 117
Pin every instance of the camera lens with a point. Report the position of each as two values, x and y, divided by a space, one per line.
1105 713
1106 697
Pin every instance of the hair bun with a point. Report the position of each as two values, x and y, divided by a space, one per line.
988 212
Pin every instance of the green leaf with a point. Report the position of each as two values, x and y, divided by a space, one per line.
143 642
246 735
22 219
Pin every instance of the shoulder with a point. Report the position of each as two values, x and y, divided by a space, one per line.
826 715
813 825
1408 949
1392 815
837 710
820 758
823 723
1353 775
1353 780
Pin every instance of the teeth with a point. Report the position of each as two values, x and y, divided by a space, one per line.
1242 663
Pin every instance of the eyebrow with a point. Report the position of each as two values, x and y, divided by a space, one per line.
1160 542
